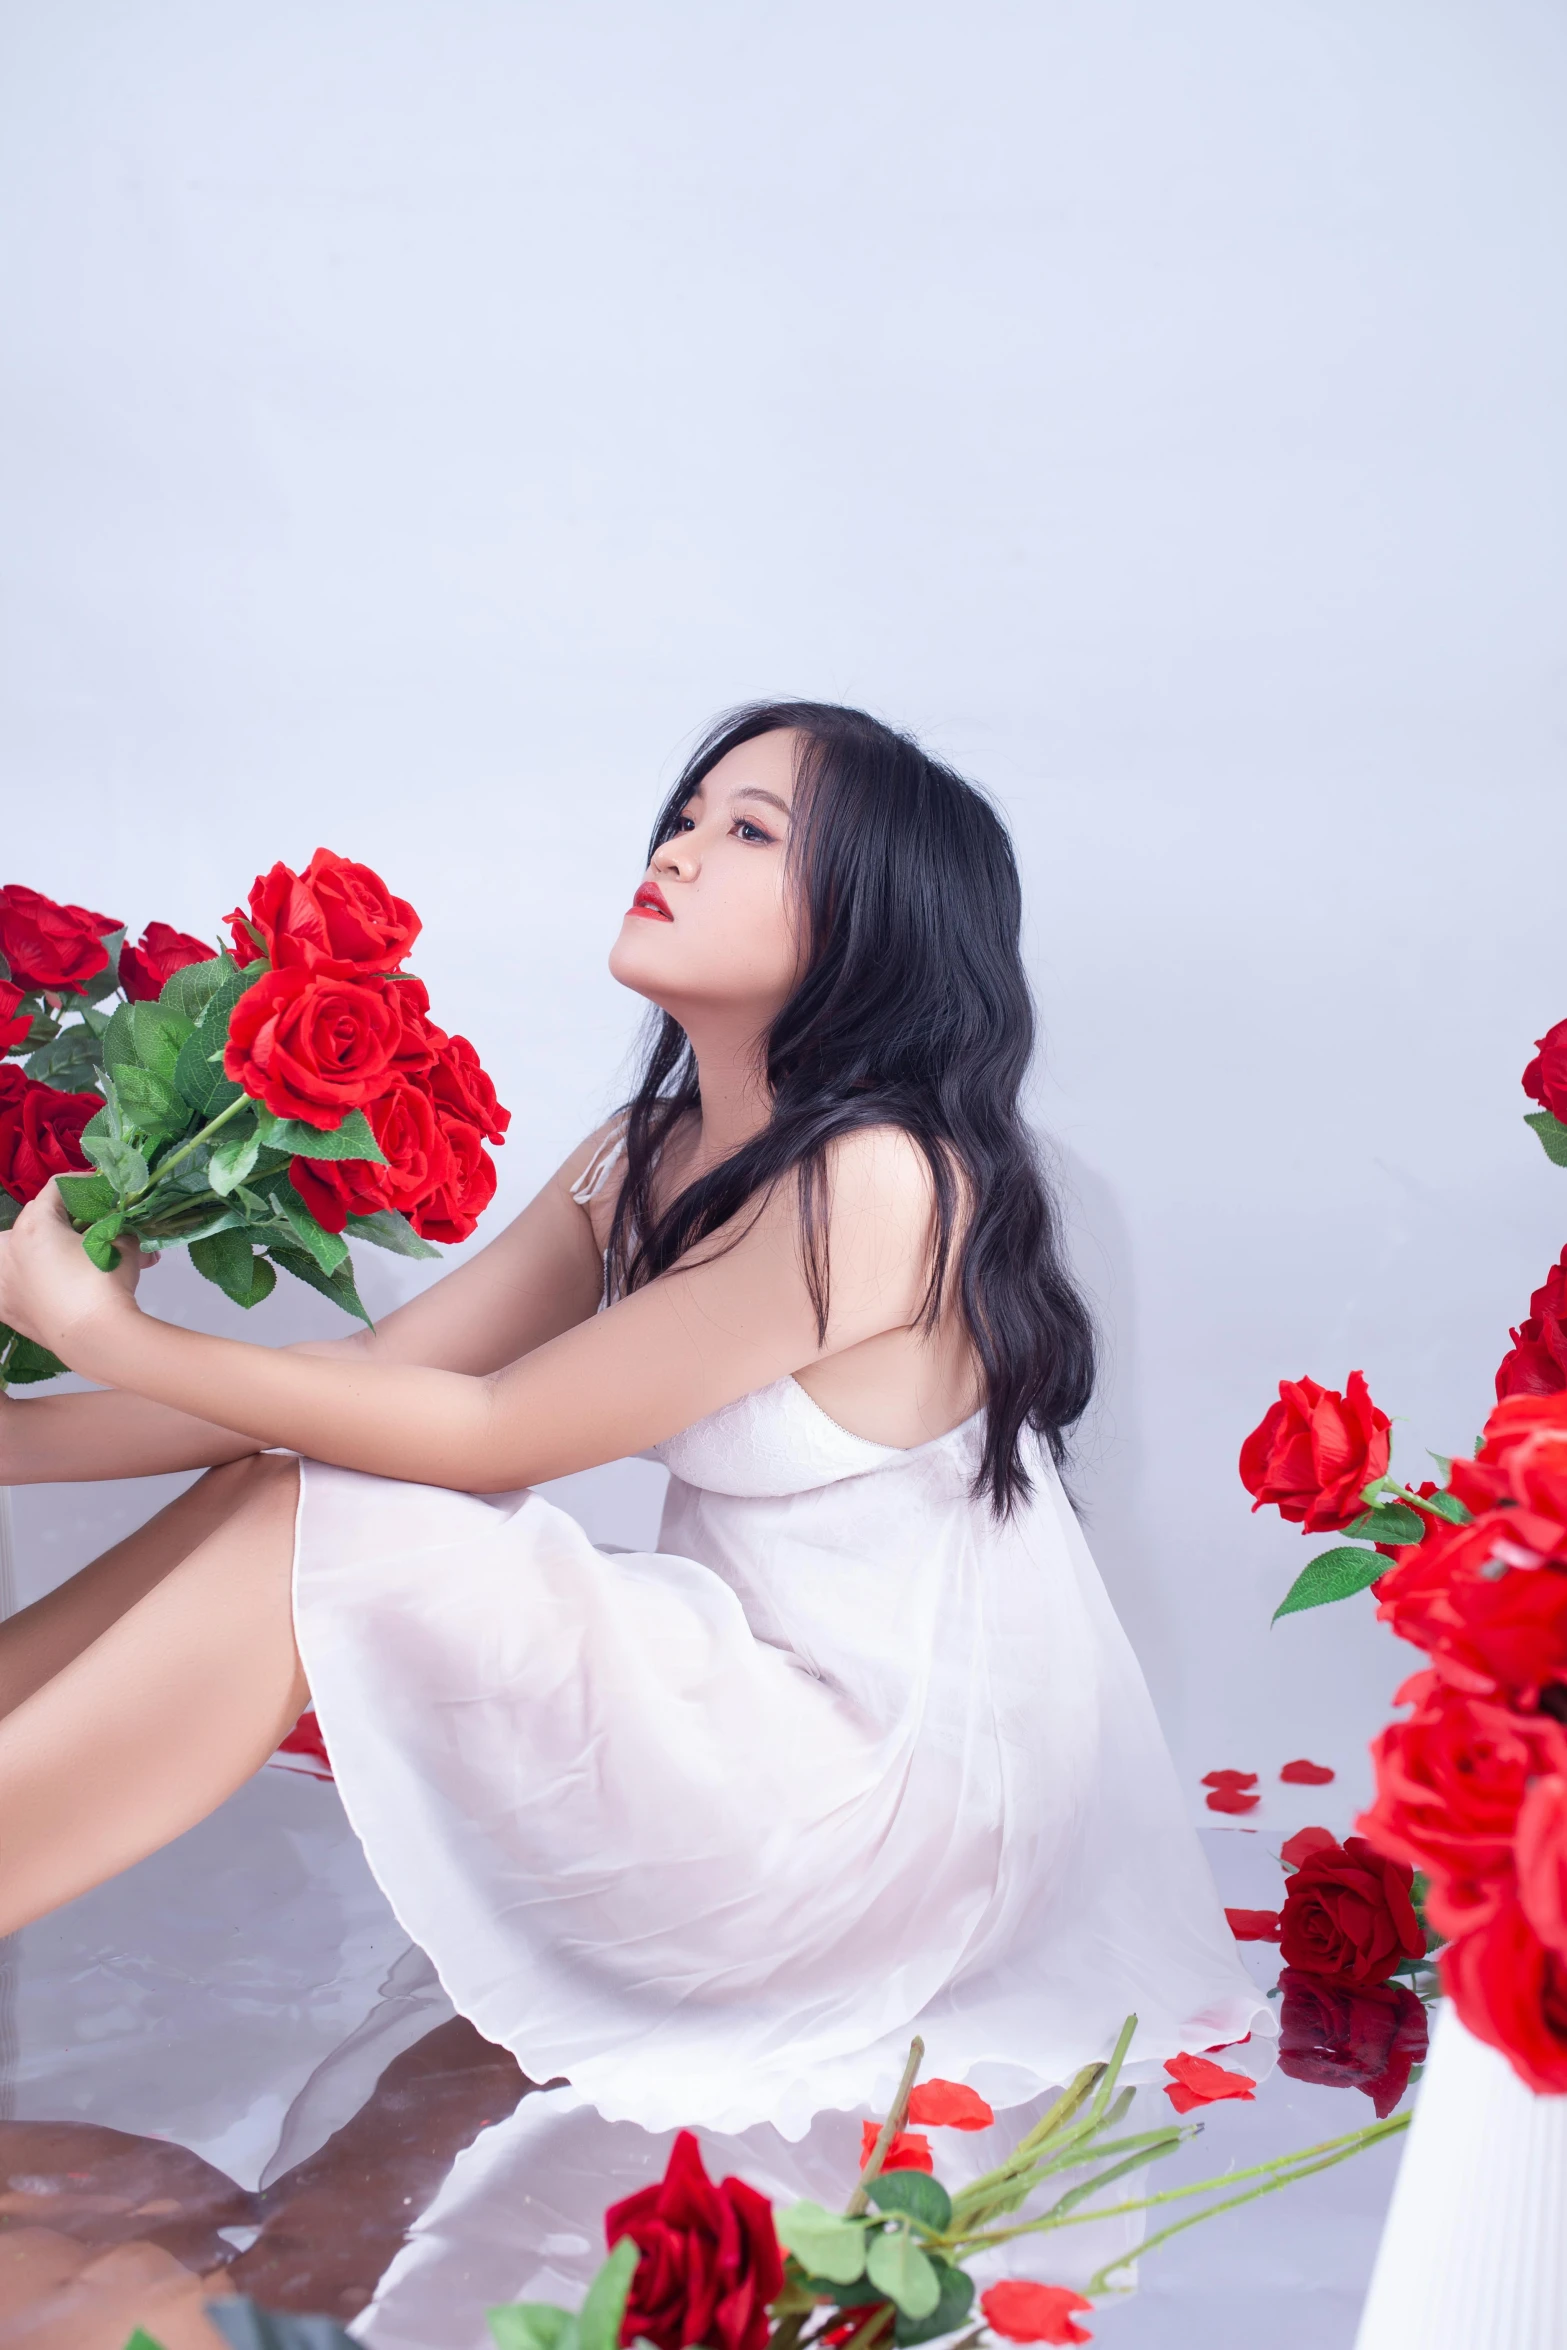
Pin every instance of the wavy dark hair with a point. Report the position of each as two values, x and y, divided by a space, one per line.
912 1010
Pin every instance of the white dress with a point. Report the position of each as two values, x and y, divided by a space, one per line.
712 1830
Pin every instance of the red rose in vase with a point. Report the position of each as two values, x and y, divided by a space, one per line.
1348 1917
147 968
1545 1079
311 1047
14 1025
50 946
336 918
710 2262
40 1132
1511 1991
1368 2037
1315 1451
1450 1781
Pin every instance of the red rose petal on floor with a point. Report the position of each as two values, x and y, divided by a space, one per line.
909 2150
1256 1925
1306 1774
1232 1799
1229 1779
949 2105
1194 2081
1034 2313
305 1739
1294 1849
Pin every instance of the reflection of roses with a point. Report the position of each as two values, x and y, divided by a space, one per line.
335 918
1545 1079
48 945
1449 1784
40 1132
1511 1991
710 2260
313 1048
1367 2038
1315 1451
1347 1915
145 970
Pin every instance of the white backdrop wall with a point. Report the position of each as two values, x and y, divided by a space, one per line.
419 418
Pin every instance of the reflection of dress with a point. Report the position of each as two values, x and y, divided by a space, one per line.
713 1829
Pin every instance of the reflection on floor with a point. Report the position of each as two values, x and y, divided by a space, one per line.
228 2071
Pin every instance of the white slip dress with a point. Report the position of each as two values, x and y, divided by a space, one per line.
713 1830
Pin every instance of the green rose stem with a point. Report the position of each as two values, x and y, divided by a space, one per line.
205 1134
889 2129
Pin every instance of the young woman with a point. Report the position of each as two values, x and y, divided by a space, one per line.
860 1749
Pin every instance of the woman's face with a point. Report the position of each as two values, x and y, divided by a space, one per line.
711 930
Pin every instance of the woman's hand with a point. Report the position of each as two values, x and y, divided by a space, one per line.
50 1289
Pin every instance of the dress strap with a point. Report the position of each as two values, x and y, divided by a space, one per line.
600 1167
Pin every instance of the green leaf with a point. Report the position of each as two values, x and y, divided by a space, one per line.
1391 1522
98 1241
228 1259
10 1209
957 2296
339 1286
140 2340
904 2273
158 1032
232 1159
387 1229
823 2242
119 1040
190 991
1448 1506
200 1077
86 1197
329 1249
915 2193
71 1063
1553 1136
23 1363
598 2320
1332 1574
533 2325
148 1102
352 1140
226 991
120 1161
175 1228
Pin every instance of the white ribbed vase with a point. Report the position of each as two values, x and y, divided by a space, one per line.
1474 2253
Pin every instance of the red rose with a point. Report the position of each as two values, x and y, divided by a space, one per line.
461 1086
1545 1079
710 2261
1314 1453
910 2149
13 1025
335 918
465 1189
1368 2038
421 1040
1540 1855
1537 1364
40 1132
313 1048
418 1163
146 969
1487 1625
1512 1993
1449 1784
48 945
1348 1917
1034 2313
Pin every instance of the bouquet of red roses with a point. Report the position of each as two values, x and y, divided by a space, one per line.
1472 1787
262 1103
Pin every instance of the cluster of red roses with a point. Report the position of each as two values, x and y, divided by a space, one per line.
1536 1364
336 1025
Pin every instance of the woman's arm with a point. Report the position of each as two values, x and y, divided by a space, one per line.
536 1278
703 1334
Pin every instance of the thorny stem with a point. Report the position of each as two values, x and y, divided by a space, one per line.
889 2130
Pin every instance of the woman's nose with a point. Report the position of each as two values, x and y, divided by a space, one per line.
675 856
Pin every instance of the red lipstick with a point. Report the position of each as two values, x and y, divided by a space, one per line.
651 903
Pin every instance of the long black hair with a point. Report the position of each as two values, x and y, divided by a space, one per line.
912 1010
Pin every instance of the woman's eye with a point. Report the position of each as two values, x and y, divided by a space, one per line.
685 824
750 831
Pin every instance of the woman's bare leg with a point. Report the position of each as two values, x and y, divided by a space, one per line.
162 1715
39 1641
